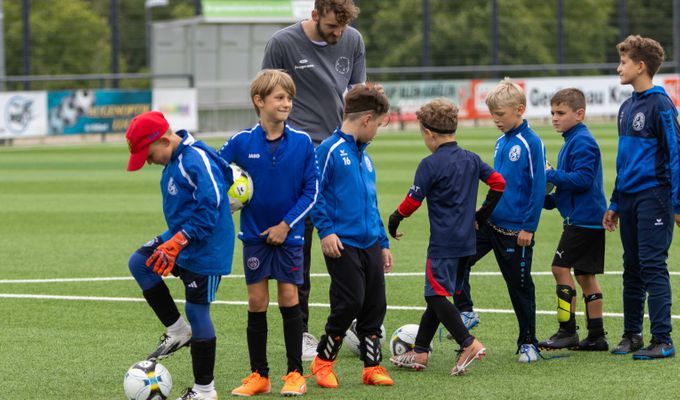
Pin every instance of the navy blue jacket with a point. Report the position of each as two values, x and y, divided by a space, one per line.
649 139
579 193
520 157
194 185
348 202
285 183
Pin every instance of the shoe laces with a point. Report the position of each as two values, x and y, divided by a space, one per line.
189 394
377 369
252 377
291 376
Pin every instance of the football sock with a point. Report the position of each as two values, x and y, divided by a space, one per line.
448 315
203 361
426 330
179 327
565 315
370 350
292 335
161 302
202 327
329 347
257 342
595 325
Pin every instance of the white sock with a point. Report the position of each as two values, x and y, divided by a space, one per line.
180 327
207 389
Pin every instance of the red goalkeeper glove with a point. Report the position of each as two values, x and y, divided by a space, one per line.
164 257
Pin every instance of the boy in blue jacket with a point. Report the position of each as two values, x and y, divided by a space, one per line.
353 239
520 157
282 164
579 196
197 247
646 198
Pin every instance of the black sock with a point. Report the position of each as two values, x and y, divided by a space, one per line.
426 330
257 342
203 360
448 315
569 326
595 327
370 351
161 302
292 335
329 347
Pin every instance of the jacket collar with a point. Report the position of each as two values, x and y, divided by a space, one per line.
570 132
187 140
350 139
520 128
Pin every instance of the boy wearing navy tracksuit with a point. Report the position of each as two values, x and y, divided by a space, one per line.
197 247
448 179
646 198
580 198
520 157
353 239
282 164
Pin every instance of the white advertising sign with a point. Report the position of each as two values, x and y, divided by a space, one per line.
23 114
180 107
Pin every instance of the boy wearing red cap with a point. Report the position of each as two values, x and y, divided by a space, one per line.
197 247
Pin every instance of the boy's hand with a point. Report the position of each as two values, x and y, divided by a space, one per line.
677 220
387 260
277 234
611 220
332 246
164 257
393 224
524 238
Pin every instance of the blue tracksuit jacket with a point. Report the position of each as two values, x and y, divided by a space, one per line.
285 183
520 157
348 202
649 139
579 193
194 185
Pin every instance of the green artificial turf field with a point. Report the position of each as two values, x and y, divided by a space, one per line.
73 320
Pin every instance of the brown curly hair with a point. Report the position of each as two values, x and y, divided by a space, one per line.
647 50
439 115
345 10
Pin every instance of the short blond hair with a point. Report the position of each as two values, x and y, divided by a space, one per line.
439 116
647 50
266 81
506 94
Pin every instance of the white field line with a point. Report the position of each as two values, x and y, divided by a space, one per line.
240 276
273 304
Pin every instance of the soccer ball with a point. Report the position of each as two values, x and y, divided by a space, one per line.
241 191
147 380
404 340
351 340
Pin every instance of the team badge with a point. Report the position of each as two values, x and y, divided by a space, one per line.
369 165
342 65
515 153
253 263
172 188
639 122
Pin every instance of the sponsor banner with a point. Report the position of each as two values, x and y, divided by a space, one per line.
406 97
179 107
94 111
259 10
23 114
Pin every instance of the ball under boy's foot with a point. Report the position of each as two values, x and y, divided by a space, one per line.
467 355
169 344
596 343
253 384
656 349
294 384
377 375
562 339
190 394
528 353
410 359
630 343
309 345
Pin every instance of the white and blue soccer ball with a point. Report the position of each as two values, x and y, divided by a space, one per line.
351 340
404 340
241 191
147 380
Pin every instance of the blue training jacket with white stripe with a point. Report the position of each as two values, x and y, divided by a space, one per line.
194 185
649 139
520 157
285 182
348 201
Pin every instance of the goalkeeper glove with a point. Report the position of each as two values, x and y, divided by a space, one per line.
164 257
393 223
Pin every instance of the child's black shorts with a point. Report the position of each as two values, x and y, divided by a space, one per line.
581 249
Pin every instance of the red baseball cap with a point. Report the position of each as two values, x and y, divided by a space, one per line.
144 129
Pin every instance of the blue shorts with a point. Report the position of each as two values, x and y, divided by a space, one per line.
440 276
198 289
283 263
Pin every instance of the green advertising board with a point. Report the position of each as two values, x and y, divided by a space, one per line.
254 10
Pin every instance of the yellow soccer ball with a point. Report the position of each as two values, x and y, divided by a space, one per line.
241 191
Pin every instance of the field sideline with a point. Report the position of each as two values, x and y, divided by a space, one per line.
74 320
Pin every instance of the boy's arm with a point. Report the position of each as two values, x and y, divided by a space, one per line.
310 191
496 184
671 139
413 200
359 67
586 158
319 214
226 152
537 182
